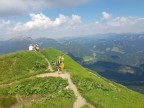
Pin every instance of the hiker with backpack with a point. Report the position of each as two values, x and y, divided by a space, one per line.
60 63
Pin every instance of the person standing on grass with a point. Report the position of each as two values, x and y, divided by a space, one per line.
60 63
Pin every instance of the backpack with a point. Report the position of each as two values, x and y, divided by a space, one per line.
58 62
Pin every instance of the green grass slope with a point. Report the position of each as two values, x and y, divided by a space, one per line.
21 68
20 88
19 65
97 90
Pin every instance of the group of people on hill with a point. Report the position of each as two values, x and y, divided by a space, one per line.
34 47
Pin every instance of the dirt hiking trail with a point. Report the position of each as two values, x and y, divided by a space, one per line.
49 68
80 101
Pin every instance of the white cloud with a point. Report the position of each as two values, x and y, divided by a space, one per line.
120 24
106 16
42 25
124 21
59 21
16 7
76 19
40 21
109 21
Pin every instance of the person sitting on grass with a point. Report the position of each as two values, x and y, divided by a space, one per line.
31 48
36 47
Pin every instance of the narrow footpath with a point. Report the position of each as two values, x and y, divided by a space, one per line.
80 101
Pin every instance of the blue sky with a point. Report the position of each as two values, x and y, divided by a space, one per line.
66 18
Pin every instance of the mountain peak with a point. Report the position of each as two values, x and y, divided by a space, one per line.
21 38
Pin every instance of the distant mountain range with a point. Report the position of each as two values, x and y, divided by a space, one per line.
22 43
119 57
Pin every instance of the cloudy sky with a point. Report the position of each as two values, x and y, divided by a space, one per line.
66 18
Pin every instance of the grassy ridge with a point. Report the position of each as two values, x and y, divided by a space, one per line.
21 64
97 90
18 67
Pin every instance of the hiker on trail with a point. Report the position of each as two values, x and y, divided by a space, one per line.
31 48
60 63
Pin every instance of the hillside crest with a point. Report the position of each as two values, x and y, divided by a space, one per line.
38 68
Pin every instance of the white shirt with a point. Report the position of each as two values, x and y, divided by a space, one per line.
30 48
